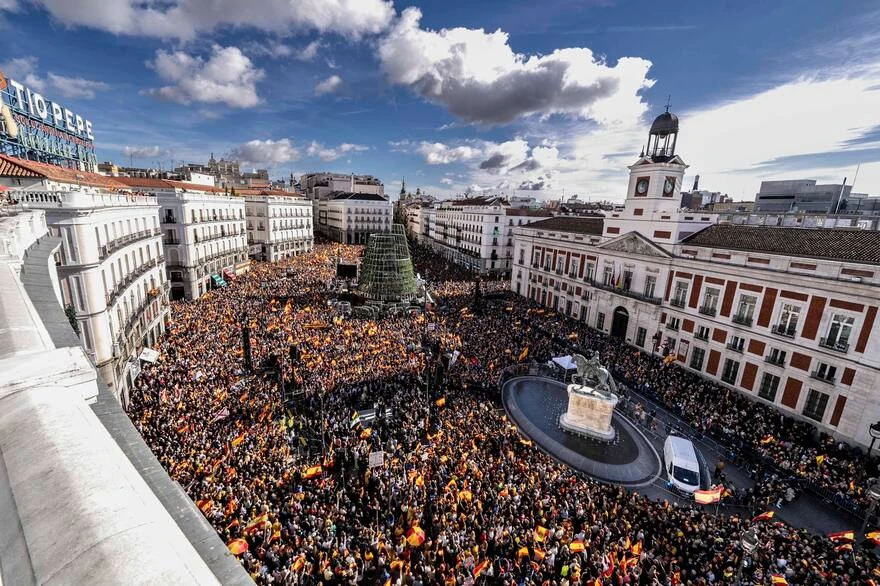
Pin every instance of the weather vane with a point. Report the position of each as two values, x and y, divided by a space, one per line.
668 102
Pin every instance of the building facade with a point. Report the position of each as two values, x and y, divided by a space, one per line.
350 218
111 264
279 226
203 232
319 185
785 315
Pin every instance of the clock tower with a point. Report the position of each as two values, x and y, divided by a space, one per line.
653 197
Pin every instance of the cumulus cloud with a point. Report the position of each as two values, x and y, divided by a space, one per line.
266 152
26 70
187 19
226 77
537 185
437 153
144 152
309 52
478 77
329 85
316 149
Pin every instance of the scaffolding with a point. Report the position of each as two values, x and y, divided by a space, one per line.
387 270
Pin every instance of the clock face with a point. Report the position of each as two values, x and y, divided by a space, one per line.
642 186
668 186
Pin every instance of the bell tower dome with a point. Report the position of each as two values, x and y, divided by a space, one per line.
662 137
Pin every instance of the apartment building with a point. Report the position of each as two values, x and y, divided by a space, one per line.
279 225
350 218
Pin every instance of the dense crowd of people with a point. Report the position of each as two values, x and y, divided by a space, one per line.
460 497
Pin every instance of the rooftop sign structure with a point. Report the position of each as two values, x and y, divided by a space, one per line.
32 127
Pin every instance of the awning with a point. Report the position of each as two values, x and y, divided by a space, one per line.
149 355
565 363
218 281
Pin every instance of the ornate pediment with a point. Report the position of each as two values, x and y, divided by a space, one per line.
634 243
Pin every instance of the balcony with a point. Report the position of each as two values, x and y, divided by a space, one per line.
170 241
169 220
743 320
775 360
823 376
784 330
736 347
123 241
677 302
709 310
124 284
672 326
836 345
625 292
704 336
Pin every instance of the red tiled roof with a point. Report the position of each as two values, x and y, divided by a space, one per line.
851 245
15 167
151 182
577 224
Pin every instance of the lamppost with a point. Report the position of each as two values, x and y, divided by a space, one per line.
874 431
873 493
749 544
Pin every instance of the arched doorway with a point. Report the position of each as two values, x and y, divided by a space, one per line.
619 323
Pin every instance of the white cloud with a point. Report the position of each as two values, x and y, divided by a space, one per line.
187 19
149 152
437 153
309 52
316 149
266 152
227 77
76 87
477 76
329 85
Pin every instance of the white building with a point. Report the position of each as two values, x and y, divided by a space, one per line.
279 225
203 232
787 316
475 233
418 218
111 264
350 218
318 185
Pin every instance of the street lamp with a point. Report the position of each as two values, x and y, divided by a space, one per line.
874 430
749 544
873 493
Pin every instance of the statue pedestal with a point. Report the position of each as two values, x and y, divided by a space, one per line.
589 413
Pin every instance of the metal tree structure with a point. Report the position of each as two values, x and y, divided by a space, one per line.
387 270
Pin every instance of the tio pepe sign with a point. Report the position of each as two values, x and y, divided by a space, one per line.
32 103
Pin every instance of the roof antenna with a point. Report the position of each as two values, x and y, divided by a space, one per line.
668 102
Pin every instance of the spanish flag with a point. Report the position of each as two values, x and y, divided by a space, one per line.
576 546
235 523
237 441
637 549
524 354
415 536
298 564
874 536
778 579
312 472
205 505
396 565
256 523
465 495
764 516
846 547
365 434
842 537
767 439
237 546
522 552
541 533
707 497
540 554
480 568
440 402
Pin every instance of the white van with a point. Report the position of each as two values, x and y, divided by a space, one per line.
682 466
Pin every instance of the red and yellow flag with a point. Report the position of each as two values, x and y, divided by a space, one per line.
480 568
256 523
541 533
874 536
842 537
205 505
237 441
576 546
440 402
708 497
415 536
637 549
237 546
778 579
312 472
298 564
764 516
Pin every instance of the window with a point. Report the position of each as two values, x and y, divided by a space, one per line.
710 301
769 386
697 357
737 344
522 256
585 312
650 285
702 333
547 260
590 272
776 357
641 334
600 321
681 289
825 372
560 264
731 368
839 332
574 268
673 323
815 406
788 320
745 311
627 280
608 276
536 259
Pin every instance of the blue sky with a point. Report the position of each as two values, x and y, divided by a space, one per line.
546 97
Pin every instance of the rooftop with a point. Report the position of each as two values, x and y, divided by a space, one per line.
576 224
849 245
339 195
18 168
